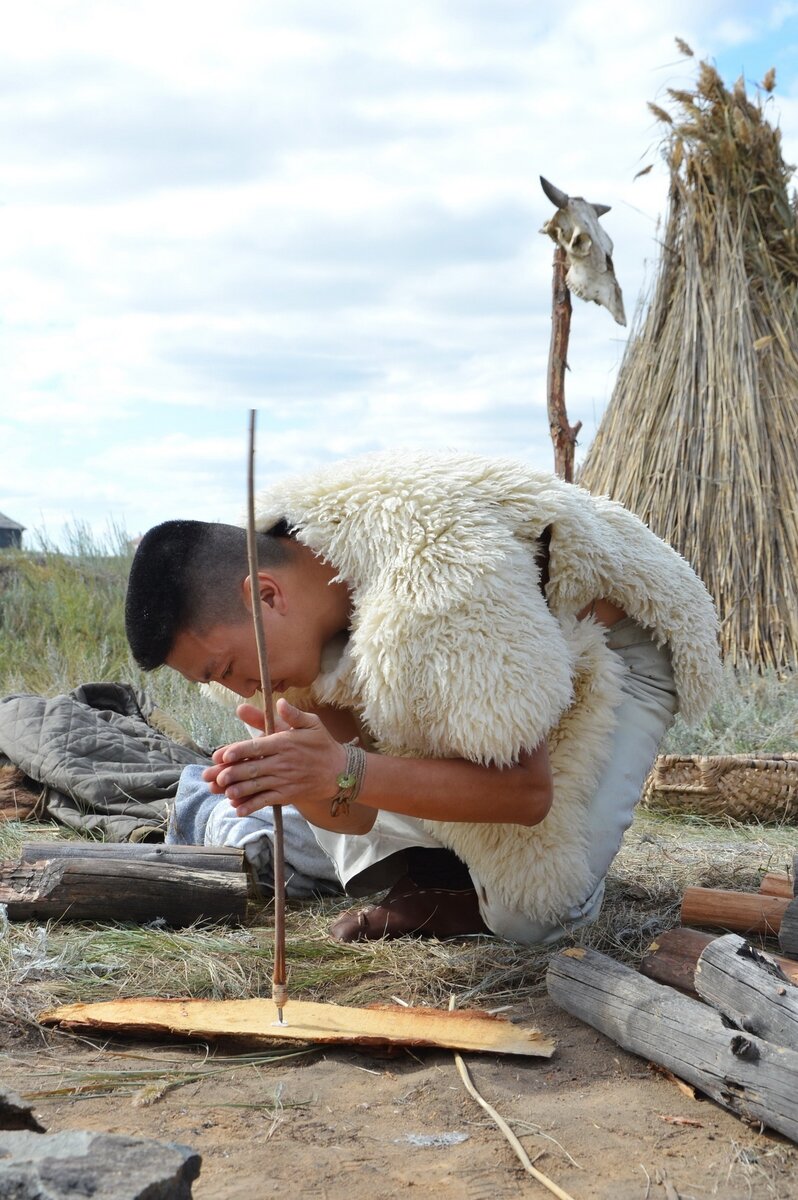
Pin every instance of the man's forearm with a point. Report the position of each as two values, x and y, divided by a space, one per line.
444 790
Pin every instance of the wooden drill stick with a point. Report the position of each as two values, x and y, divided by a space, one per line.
279 988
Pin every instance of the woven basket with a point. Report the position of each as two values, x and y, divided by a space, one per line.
742 787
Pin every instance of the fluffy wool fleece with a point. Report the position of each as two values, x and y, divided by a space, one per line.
453 651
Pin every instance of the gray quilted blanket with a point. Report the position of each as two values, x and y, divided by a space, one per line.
108 772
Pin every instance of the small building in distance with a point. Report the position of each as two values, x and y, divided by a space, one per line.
10 533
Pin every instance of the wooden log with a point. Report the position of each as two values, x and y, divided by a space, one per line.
254 1022
735 912
213 858
743 1073
672 959
777 883
749 989
96 889
788 933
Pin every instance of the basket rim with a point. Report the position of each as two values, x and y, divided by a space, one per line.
790 757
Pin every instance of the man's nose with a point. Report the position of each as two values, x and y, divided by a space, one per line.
243 687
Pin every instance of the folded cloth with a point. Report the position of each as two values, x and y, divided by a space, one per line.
201 818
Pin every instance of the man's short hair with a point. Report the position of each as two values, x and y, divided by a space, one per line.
187 575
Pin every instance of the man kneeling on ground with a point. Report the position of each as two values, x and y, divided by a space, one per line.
476 663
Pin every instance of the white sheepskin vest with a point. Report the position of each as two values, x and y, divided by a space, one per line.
453 651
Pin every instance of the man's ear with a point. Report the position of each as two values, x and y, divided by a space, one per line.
270 590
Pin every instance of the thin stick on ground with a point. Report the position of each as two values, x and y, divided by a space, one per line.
519 1150
279 988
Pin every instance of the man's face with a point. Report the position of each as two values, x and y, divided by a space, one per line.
227 654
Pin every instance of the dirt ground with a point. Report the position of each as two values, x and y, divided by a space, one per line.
347 1125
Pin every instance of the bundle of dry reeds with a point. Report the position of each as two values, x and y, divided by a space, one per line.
701 435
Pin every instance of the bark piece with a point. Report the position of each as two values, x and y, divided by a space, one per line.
98 889
742 1072
788 933
736 912
211 858
749 989
672 958
64 1166
255 1022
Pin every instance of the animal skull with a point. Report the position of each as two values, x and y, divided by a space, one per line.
587 247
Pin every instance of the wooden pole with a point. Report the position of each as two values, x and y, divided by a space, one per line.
563 434
737 912
279 988
777 883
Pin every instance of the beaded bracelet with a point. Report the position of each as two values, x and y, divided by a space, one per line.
350 780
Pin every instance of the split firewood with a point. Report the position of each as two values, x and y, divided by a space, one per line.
743 1073
673 956
210 858
99 889
777 883
254 1022
736 912
749 990
788 933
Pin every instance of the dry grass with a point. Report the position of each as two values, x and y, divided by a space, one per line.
59 962
700 437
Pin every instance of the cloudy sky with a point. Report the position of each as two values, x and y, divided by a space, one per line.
327 210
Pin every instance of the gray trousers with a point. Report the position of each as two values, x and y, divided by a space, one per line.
364 863
645 713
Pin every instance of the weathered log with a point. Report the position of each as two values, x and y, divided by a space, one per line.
736 912
93 889
777 883
673 956
212 858
749 989
740 1071
788 933
254 1022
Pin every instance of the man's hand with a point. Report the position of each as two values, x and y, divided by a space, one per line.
297 764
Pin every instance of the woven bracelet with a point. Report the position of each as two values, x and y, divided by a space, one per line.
350 780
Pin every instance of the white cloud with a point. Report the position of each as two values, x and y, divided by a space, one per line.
327 212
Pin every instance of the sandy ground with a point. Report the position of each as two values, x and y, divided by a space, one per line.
347 1125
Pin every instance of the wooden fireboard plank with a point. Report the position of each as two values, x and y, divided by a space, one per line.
255 1022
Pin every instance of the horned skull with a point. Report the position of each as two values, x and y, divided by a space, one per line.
587 247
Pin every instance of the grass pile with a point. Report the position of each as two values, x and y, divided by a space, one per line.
700 437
